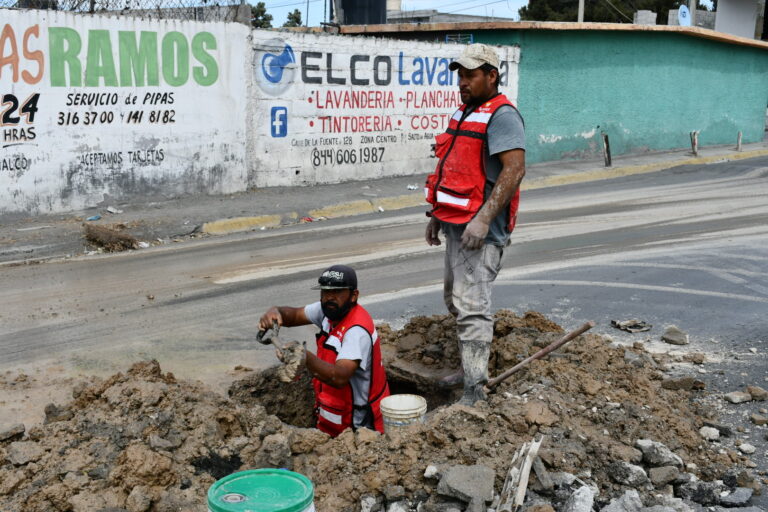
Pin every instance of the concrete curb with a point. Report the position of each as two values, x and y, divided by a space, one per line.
363 206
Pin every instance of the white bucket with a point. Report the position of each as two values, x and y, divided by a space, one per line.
402 410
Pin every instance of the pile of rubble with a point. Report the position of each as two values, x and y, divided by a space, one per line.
618 436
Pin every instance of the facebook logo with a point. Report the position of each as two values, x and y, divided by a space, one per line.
279 121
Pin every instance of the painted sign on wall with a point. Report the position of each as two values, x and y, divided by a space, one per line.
331 108
95 106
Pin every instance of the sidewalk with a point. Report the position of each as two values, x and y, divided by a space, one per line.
175 220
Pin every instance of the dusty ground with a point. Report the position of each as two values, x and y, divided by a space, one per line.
144 441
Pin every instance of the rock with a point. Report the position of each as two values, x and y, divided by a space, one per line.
138 500
275 452
739 497
537 413
304 440
747 448
394 493
656 454
365 436
562 479
657 508
539 507
724 430
757 393
10 480
371 504
741 509
629 502
580 501
680 383
703 493
22 452
54 413
431 472
158 443
12 432
674 336
663 475
737 397
472 484
399 506
759 419
627 474
709 433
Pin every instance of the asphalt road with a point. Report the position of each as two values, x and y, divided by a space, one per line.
687 246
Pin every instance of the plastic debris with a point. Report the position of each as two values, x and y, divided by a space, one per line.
381 208
307 219
633 325
34 228
413 187
93 217
112 209
143 245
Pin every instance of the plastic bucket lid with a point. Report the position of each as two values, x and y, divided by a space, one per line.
261 490
403 406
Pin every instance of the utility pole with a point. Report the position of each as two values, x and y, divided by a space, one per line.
581 11
692 6
306 21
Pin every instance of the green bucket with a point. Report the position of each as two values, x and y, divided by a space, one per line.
262 490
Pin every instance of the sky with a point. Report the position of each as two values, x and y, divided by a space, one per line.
279 9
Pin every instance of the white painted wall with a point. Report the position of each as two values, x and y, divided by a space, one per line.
311 124
737 17
189 138
214 109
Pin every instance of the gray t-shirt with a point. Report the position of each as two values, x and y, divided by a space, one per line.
357 346
505 131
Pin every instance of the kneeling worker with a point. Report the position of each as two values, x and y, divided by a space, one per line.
348 374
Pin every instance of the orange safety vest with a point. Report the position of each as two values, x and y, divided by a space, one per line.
456 189
334 406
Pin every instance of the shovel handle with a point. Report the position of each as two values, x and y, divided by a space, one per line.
538 355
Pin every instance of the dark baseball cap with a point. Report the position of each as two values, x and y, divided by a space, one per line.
337 277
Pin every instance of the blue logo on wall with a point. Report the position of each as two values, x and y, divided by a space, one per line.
275 66
279 121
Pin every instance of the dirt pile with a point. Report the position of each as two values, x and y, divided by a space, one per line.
144 441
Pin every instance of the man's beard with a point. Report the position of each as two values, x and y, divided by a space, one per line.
334 312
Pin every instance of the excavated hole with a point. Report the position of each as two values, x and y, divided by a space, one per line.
294 402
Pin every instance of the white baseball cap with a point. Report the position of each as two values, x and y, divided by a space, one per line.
474 56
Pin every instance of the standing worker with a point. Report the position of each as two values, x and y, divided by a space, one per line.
348 374
474 193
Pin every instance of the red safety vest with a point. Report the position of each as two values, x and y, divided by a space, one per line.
456 189
334 406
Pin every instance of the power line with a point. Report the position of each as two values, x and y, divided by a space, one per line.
476 6
618 11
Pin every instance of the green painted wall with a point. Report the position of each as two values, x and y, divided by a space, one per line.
646 90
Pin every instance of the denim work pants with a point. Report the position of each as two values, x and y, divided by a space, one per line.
468 280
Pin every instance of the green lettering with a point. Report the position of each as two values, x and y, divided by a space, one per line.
138 62
62 59
175 59
208 73
100 63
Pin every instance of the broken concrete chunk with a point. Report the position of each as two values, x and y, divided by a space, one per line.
580 501
674 336
562 479
23 452
759 419
399 506
628 502
410 342
724 430
738 397
656 454
627 474
468 483
757 393
431 472
663 475
709 433
12 432
747 448
738 498
703 493
54 413
394 493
